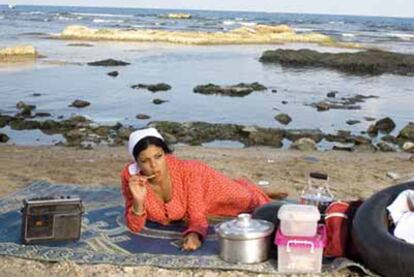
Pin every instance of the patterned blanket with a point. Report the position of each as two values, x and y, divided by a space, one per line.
106 240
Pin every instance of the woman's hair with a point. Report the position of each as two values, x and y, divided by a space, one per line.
146 142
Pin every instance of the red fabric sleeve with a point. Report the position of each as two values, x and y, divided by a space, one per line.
134 223
196 205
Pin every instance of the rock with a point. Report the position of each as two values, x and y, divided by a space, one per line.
113 73
331 94
179 15
36 94
385 125
304 144
372 62
322 106
368 118
365 148
385 147
283 118
4 120
79 103
4 138
295 134
343 147
352 122
80 44
340 136
408 147
18 52
239 90
258 34
158 101
142 116
389 138
154 87
42 114
274 90
124 132
372 130
108 62
407 133
21 124
284 102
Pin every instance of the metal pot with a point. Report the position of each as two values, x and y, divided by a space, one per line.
245 240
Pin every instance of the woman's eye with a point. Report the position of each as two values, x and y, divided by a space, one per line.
158 156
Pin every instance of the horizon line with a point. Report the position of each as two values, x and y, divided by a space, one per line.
200 9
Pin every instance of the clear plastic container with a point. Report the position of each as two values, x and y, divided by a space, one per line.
300 254
298 220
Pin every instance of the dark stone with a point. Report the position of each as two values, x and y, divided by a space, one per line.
108 62
407 133
372 130
239 90
322 106
372 62
331 94
42 114
80 45
343 147
283 118
21 124
36 94
389 138
295 134
368 118
158 101
113 73
352 122
284 102
154 87
4 120
142 116
79 103
4 138
385 125
274 90
385 147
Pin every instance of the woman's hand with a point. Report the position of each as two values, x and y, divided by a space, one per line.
191 242
137 188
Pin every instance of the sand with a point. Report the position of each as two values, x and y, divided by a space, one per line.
352 175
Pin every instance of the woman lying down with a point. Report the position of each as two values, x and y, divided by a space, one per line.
160 187
401 212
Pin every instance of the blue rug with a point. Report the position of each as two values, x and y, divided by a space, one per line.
106 240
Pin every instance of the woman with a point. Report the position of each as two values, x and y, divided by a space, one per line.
162 188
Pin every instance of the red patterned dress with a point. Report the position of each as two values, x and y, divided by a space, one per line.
197 192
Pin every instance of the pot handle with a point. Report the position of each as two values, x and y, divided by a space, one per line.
302 242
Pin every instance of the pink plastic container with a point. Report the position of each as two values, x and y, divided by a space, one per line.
300 254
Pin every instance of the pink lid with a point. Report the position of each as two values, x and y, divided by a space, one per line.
317 241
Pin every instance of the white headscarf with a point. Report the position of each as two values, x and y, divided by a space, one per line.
138 135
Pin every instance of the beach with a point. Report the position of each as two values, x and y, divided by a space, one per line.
352 176
245 92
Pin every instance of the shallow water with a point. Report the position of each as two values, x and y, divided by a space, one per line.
63 76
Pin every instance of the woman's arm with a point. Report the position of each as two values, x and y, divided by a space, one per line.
135 215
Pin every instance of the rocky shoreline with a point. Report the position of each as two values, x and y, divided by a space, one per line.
18 53
371 62
81 132
258 34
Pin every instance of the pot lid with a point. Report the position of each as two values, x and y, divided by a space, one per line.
244 227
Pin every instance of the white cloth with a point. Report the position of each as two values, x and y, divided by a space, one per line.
138 135
402 217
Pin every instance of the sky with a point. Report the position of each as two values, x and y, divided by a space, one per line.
397 8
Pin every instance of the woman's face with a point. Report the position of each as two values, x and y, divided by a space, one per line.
152 162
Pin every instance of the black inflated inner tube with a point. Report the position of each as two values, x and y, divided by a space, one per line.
379 250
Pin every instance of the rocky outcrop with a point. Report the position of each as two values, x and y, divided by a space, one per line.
4 138
108 62
79 103
371 62
113 73
241 89
343 103
258 34
20 52
283 118
153 87
407 133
